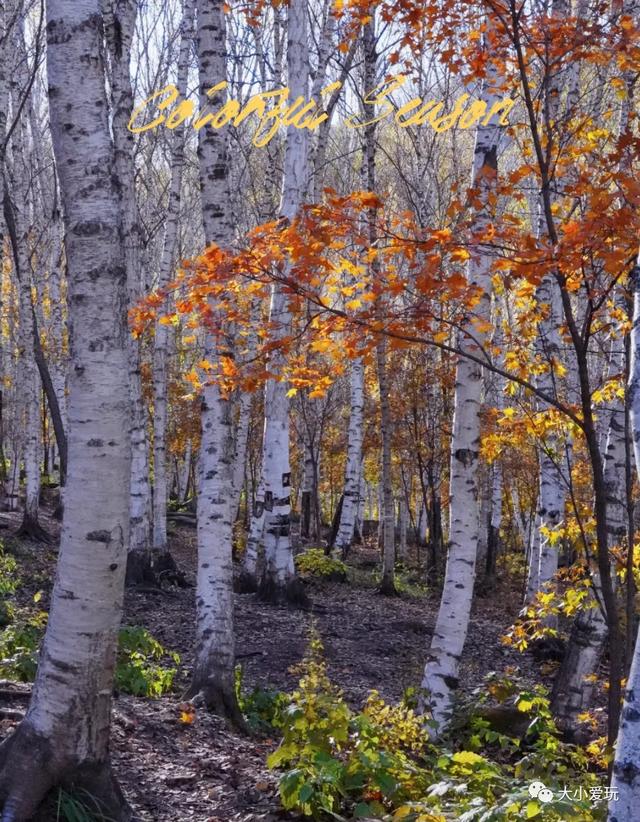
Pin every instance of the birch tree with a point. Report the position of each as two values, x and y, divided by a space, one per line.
213 674
64 737
161 555
120 20
279 580
440 678
353 470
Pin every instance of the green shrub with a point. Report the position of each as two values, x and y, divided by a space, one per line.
315 563
8 574
138 671
79 807
379 763
19 645
261 707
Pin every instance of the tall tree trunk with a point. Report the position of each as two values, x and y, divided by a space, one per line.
279 582
161 557
64 738
441 670
353 473
626 766
574 684
119 21
213 674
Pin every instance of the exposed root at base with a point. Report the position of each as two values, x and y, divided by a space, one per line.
245 583
387 588
292 593
32 530
30 771
219 699
154 569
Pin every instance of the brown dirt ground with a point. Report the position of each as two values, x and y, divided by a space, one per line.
203 772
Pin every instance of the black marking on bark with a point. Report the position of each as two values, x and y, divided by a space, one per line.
465 455
99 536
95 443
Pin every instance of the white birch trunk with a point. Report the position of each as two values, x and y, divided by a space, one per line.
402 526
441 670
29 380
353 474
119 21
167 262
279 581
66 728
626 768
213 674
240 450
184 472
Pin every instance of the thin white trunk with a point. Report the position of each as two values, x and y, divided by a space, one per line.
167 262
28 375
626 768
213 674
353 474
402 527
119 21
184 472
441 670
279 571
240 450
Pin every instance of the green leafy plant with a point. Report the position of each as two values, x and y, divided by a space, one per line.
379 763
19 645
261 707
8 585
315 563
138 669
79 807
8 574
334 759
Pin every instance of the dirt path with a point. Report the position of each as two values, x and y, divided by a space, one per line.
200 771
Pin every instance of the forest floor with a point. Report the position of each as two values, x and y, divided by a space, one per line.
200 771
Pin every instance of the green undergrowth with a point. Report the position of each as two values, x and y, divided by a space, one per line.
262 707
78 807
144 667
315 563
379 763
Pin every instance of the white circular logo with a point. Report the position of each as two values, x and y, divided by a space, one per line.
545 795
535 788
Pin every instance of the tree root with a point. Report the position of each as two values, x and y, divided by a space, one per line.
292 593
387 588
32 530
153 569
219 698
245 583
30 768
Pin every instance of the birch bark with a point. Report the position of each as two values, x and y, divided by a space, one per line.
213 674
64 737
626 767
119 22
279 582
440 678
352 480
161 338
